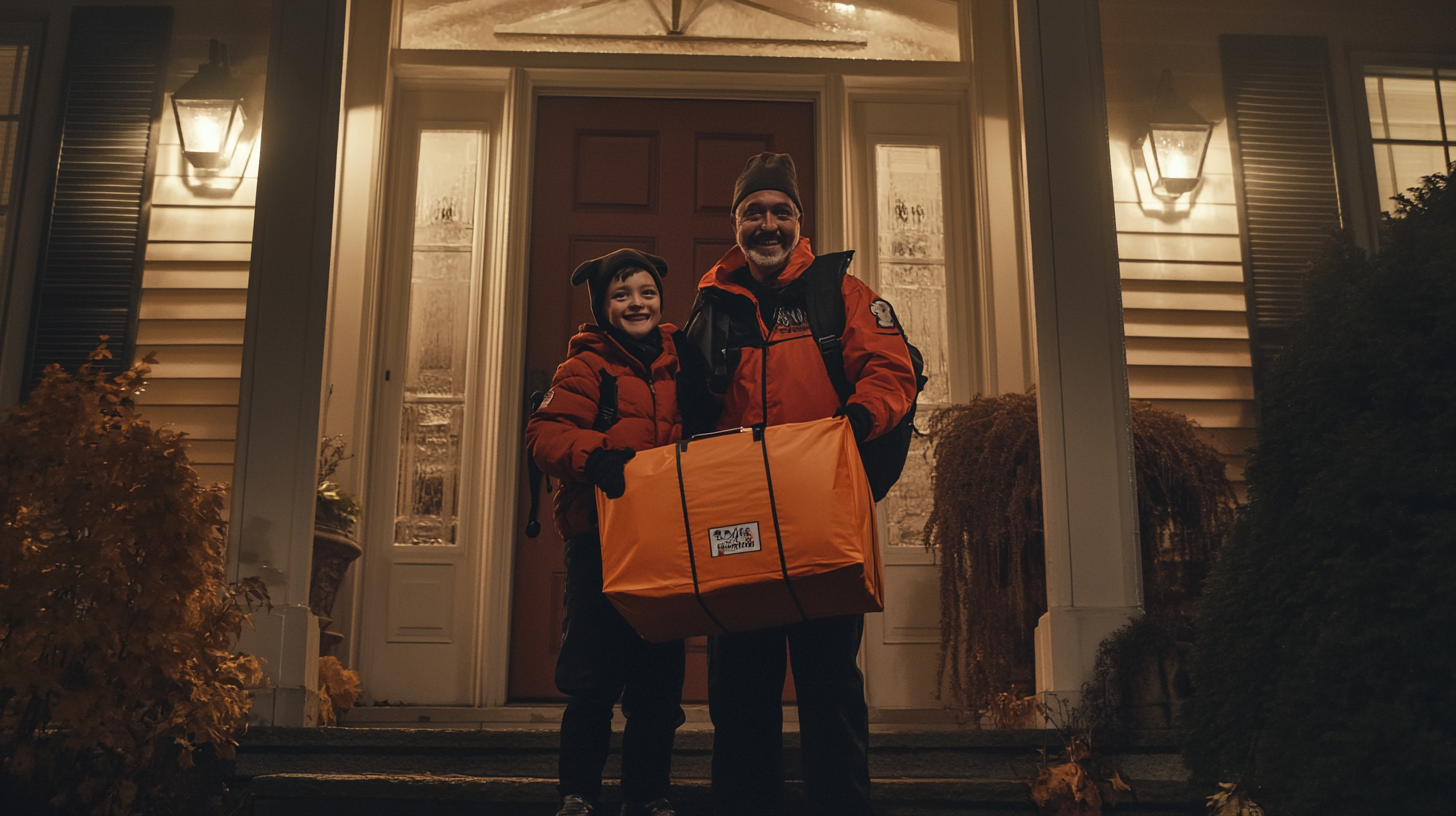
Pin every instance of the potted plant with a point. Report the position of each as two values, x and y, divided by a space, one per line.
336 514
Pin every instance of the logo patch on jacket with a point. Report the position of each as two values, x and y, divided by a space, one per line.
546 400
734 539
884 313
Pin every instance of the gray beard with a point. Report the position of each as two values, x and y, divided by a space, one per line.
771 260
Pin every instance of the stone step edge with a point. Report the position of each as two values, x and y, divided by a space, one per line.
451 787
323 739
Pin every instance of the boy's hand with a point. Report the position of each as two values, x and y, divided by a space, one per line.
604 469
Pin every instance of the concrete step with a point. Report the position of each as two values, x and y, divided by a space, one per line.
447 795
531 753
511 771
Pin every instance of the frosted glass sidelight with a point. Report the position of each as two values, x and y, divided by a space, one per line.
918 30
442 265
910 244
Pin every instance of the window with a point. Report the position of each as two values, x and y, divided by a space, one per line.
1412 125
15 54
916 30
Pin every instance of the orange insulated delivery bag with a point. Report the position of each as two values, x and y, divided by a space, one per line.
742 530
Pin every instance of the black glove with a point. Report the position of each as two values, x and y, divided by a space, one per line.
860 420
604 469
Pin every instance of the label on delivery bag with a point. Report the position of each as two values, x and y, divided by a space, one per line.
742 531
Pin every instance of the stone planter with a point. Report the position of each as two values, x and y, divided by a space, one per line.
333 551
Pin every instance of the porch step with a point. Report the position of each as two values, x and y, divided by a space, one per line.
415 795
482 772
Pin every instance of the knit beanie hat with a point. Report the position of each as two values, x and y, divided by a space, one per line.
597 274
767 171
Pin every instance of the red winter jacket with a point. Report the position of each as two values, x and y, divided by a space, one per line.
559 435
786 378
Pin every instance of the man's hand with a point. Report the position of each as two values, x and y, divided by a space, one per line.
604 469
860 420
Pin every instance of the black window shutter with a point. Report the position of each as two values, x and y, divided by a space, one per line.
89 280
1277 95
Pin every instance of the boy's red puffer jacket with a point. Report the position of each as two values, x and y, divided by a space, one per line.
559 435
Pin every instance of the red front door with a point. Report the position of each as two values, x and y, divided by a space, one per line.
655 175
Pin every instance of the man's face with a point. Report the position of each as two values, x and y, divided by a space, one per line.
766 224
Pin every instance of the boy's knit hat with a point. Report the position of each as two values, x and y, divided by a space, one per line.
597 274
768 171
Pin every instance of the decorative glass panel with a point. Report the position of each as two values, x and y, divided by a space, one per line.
923 30
441 267
910 226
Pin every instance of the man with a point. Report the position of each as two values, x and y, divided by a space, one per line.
763 365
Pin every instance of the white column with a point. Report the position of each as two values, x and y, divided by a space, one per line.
1094 581
271 533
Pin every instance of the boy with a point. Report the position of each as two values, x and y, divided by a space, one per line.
583 442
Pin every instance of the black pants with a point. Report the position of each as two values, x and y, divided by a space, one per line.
745 689
603 659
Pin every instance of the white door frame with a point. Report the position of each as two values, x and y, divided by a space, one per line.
491 505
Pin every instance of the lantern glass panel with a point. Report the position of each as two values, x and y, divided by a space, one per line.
204 123
1179 152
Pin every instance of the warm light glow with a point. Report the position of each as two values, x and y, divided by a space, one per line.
1179 152
209 129
209 110
1174 144
844 8
204 123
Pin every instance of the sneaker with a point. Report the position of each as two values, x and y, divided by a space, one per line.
657 807
574 806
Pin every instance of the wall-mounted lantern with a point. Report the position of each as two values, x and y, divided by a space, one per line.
209 109
1175 143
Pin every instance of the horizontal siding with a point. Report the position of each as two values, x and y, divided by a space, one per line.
205 251
193 275
194 301
1190 382
1185 323
1185 320
200 391
1208 272
190 333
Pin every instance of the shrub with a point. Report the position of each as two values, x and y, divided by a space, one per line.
1324 679
116 624
986 521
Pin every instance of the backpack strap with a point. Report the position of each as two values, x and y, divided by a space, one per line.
534 474
606 402
824 302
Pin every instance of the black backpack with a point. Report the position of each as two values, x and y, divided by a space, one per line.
883 456
606 417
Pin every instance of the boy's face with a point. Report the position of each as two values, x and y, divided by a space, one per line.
634 305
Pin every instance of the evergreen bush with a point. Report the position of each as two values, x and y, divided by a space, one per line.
117 628
1326 674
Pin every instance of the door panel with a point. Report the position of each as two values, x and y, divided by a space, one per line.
651 174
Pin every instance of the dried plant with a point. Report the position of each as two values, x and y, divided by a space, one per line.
338 690
1078 781
986 521
333 506
117 628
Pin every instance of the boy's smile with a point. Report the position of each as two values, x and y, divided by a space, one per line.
634 305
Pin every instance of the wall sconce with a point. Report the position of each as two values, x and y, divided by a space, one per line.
209 109
1175 143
